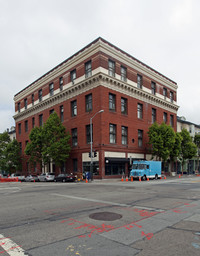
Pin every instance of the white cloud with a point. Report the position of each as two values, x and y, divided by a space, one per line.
182 14
37 35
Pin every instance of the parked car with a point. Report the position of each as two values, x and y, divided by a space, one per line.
63 177
46 176
17 175
32 178
3 175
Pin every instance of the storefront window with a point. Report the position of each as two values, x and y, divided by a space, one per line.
114 168
86 167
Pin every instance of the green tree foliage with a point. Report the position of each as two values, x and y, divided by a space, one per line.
34 147
176 149
197 142
188 148
10 159
49 143
56 141
162 139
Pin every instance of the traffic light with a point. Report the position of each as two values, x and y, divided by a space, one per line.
90 154
95 153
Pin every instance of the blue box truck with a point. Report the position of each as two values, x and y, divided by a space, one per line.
146 169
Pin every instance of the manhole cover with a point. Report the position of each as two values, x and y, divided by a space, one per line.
107 216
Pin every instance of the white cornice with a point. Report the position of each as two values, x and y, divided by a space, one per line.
78 58
99 79
138 66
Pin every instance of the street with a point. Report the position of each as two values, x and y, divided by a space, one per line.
107 217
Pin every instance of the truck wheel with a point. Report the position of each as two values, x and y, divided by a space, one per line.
156 176
144 177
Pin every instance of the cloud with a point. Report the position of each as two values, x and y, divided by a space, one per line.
37 35
182 14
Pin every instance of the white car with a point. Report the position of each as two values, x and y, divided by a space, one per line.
17 175
31 178
46 176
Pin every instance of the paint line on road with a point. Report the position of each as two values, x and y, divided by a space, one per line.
107 202
10 188
91 200
10 247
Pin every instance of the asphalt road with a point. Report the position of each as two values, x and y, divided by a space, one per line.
111 218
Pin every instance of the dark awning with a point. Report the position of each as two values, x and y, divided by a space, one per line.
117 160
121 160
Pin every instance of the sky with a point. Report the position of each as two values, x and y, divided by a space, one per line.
37 35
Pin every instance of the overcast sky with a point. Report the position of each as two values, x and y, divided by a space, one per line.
37 35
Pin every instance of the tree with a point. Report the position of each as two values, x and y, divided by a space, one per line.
10 159
188 148
56 141
197 142
49 143
162 140
34 147
176 148
13 157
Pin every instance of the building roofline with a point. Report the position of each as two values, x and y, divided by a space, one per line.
186 122
87 46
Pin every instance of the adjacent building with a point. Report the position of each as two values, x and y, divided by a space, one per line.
100 76
191 165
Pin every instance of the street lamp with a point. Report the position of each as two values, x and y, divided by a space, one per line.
91 143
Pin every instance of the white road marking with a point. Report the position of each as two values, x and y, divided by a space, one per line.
10 247
107 202
10 188
92 200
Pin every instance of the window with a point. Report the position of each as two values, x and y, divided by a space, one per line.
26 126
74 137
19 107
41 120
26 142
112 133
123 74
32 99
75 165
25 104
140 138
153 88
73 75
112 102
61 83
153 115
165 117
40 95
88 102
74 108
165 93
33 122
51 89
19 128
51 111
88 69
111 68
139 81
171 97
172 120
123 106
61 113
124 135
20 148
88 134
139 111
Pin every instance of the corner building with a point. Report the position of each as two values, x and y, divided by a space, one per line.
98 77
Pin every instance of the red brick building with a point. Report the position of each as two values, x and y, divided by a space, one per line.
99 77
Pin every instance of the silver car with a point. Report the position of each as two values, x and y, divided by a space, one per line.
32 178
46 176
